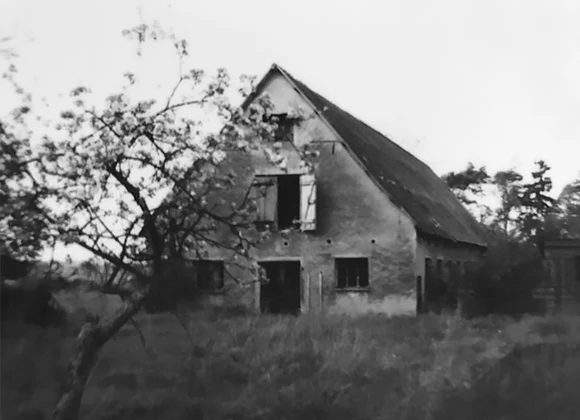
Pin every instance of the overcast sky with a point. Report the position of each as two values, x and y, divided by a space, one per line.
452 81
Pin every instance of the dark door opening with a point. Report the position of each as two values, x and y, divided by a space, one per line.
281 294
433 299
288 200
419 290
437 292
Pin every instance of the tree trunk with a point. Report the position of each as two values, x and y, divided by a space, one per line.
80 368
90 342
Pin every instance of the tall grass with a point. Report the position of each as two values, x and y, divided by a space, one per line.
311 367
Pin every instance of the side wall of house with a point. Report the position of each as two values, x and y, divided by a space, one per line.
429 250
354 219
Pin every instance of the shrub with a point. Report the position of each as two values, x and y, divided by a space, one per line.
505 280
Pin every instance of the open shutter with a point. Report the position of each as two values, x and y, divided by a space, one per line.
265 191
307 202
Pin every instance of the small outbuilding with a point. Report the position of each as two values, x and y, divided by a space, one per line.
561 289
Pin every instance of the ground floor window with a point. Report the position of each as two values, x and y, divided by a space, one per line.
209 274
352 273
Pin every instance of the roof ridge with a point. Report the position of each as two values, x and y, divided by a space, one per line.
359 120
409 182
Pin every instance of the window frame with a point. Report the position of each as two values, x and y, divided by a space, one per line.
259 182
284 132
338 261
265 190
221 271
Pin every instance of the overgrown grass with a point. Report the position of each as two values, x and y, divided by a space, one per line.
228 366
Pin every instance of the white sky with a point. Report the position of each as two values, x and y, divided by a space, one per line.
496 82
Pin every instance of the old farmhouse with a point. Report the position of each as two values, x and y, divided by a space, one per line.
379 230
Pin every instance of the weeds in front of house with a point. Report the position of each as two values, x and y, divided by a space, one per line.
268 367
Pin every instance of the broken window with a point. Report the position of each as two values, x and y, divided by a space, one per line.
284 127
285 201
352 273
209 274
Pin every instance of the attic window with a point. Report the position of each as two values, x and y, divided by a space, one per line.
285 127
352 273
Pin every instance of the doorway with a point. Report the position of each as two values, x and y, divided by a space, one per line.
281 294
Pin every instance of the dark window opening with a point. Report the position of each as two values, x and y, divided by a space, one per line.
280 292
284 127
209 274
288 200
352 272
278 201
577 263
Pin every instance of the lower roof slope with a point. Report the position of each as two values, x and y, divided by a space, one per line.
410 183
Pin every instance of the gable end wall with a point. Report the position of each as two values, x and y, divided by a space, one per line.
355 218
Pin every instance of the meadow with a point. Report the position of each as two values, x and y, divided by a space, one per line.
230 365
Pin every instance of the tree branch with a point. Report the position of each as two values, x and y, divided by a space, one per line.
154 238
110 258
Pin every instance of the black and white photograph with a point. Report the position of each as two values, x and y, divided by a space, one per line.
290 210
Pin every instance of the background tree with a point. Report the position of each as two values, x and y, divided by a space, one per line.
468 186
509 186
470 180
24 225
537 206
504 281
569 204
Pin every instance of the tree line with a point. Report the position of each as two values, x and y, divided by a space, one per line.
524 215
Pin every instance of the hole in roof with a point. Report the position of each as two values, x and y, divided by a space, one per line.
372 241
285 243
328 241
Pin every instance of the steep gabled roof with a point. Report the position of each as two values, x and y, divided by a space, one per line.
408 182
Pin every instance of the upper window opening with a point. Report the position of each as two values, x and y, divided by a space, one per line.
285 201
285 127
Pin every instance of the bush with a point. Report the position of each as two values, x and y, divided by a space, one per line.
505 280
36 306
